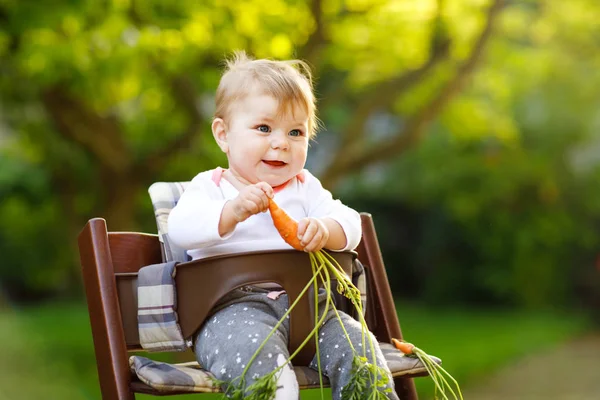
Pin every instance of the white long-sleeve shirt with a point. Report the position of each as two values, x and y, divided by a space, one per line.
194 222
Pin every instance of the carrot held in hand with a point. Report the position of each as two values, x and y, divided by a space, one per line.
286 225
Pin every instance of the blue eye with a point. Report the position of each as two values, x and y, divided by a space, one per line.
295 132
263 128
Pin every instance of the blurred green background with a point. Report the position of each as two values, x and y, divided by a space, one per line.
469 129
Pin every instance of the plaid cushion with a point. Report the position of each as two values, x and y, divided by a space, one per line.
190 377
157 309
186 377
164 197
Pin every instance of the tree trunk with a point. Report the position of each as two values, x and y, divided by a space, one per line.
119 208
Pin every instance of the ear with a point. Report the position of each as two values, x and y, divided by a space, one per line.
220 135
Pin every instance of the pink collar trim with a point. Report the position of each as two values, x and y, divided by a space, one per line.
218 174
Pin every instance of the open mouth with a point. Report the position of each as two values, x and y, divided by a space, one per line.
274 163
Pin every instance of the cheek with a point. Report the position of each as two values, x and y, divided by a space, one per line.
246 143
301 152
251 151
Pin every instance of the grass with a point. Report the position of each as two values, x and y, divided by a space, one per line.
47 352
475 343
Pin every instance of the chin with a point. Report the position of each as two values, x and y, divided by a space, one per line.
276 181
274 178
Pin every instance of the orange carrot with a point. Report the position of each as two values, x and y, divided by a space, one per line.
286 225
405 347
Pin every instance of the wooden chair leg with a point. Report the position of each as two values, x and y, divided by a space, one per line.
382 305
405 389
105 316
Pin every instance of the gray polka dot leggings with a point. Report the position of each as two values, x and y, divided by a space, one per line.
231 336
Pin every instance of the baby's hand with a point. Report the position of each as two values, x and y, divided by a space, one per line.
313 234
251 200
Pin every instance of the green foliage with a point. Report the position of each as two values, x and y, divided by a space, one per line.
100 99
483 221
31 234
500 202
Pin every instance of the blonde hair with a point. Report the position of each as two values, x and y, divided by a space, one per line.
289 82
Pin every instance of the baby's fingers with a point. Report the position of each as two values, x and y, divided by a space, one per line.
302 225
259 198
266 188
250 206
309 232
317 242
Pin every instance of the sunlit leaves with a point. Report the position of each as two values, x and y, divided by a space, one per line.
198 30
281 46
534 91
473 118
380 41
464 21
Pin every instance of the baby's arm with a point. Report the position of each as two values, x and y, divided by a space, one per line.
202 217
330 223
337 236
194 221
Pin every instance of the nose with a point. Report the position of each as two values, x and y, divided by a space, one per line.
279 141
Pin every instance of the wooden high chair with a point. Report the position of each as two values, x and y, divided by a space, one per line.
110 261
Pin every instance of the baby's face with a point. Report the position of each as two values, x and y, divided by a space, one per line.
264 146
